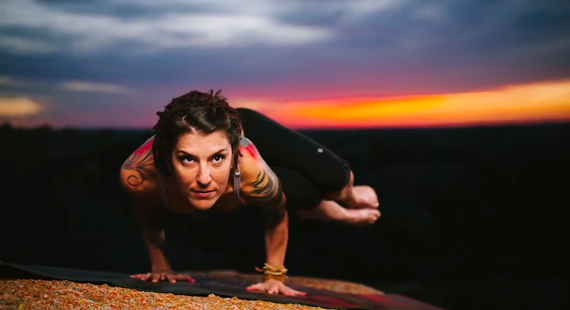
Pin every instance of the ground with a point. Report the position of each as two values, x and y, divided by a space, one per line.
43 294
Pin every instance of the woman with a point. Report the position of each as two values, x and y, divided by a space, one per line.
202 157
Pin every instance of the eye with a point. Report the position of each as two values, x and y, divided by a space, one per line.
187 159
218 158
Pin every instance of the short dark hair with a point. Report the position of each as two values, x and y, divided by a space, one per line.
194 111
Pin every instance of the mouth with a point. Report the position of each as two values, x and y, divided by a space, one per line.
202 194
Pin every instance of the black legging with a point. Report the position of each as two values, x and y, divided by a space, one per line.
305 168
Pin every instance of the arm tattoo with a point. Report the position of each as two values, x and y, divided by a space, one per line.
267 191
152 223
266 187
246 146
155 238
140 163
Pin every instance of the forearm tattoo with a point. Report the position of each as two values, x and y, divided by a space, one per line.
140 163
155 238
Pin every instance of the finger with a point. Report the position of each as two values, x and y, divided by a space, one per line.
273 289
162 277
141 277
287 291
256 287
145 276
171 278
298 293
182 277
155 277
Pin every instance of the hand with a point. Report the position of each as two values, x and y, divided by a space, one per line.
274 287
161 275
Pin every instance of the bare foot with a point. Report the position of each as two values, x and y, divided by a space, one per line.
331 211
362 217
364 197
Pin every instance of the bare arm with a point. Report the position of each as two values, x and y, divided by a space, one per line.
268 194
152 224
138 177
263 188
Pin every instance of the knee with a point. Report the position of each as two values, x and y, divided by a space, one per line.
246 113
249 119
339 178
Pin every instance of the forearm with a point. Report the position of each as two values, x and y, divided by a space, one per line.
276 238
155 244
152 224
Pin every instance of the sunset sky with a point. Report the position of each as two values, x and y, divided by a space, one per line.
306 64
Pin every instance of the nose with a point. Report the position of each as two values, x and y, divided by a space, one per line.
204 177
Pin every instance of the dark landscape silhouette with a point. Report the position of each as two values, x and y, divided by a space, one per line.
472 218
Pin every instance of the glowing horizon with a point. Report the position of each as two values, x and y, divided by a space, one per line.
515 104
540 102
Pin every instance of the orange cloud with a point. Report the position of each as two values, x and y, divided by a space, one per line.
18 107
548 101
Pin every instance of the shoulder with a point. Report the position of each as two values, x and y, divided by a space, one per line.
138 173
247 149
250 160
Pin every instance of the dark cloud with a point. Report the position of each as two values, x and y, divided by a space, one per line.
105 7
413 47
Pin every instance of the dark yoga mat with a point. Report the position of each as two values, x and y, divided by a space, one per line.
222 288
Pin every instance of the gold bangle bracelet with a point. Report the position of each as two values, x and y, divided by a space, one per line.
273 272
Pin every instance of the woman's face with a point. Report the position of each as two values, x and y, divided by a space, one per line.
202 164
